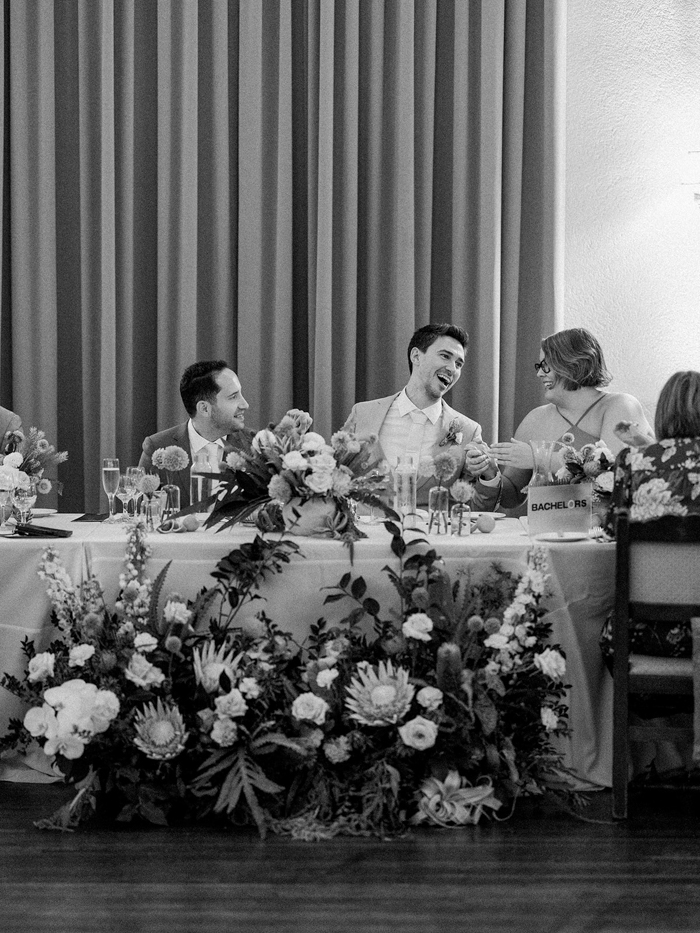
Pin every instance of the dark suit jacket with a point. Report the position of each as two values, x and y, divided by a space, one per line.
178 436
9 421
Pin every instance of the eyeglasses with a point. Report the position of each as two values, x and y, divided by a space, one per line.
542 366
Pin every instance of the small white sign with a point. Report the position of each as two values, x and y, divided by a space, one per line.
559 508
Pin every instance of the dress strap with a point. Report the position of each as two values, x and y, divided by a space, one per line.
599 399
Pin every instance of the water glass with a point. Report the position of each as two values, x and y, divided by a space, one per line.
23 499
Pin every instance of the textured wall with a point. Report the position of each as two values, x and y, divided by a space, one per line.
632 231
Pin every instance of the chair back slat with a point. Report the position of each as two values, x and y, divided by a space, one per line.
664 572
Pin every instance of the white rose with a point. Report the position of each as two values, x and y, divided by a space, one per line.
550 720
249 687
429 697
145 643
40 720
319 481
294 460
419 733
310 707
79 655
142 673
605 482
13 460
231 705
105 708
326 677
323 462
419 625
41 666
551 663
312 441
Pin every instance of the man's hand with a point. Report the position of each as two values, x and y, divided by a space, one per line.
480 461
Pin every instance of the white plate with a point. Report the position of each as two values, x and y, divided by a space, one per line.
562 536
43 513
495 515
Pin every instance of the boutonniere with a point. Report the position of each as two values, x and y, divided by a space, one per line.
454 435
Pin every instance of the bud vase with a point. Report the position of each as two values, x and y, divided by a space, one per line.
171 500
460 519
438 509
405 483
152 505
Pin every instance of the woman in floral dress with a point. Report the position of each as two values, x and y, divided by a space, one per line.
661 479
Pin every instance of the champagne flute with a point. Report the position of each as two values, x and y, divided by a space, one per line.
110 483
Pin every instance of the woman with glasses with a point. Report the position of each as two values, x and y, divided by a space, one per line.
573 375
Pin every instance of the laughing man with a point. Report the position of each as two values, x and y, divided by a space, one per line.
418 421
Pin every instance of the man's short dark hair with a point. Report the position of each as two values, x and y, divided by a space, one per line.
426 336
198 383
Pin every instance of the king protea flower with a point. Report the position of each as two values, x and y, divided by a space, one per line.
379 697
210 663
160 731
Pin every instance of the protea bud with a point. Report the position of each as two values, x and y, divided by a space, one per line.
449 667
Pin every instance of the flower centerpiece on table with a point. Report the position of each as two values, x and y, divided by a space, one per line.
24 460
593 463
291 477
172 460
442 467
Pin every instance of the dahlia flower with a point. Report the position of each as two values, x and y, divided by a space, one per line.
379 697
160 731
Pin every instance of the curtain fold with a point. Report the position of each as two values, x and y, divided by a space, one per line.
292 185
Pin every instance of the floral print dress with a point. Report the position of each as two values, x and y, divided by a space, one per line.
662 479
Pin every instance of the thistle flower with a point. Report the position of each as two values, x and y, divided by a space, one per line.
445 467
462 491
148 484
210 663
379 697
172 459
160 731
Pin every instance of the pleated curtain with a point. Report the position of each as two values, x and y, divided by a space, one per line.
291 185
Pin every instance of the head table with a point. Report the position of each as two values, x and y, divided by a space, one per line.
581 593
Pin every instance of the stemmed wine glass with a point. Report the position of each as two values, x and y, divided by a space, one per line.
124 493
135 474
23 498
110 483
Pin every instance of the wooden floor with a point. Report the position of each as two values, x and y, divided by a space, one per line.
542 871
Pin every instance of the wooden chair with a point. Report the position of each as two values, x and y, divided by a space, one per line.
657 579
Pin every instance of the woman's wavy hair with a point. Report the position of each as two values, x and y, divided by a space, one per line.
678 408
576 357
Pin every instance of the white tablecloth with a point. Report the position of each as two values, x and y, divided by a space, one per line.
582 585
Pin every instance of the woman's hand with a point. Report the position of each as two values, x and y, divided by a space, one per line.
514 454
479 461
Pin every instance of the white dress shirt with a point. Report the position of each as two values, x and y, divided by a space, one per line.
409 430
214 449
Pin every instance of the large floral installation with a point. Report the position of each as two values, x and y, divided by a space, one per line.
275 473
439 710
25 457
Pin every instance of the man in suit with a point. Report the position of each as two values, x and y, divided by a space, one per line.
212 396
418 421
9 421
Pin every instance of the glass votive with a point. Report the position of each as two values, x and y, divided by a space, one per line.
461 519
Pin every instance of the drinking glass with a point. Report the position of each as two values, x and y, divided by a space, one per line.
23 499
135 474
124 493
5 497
110 483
